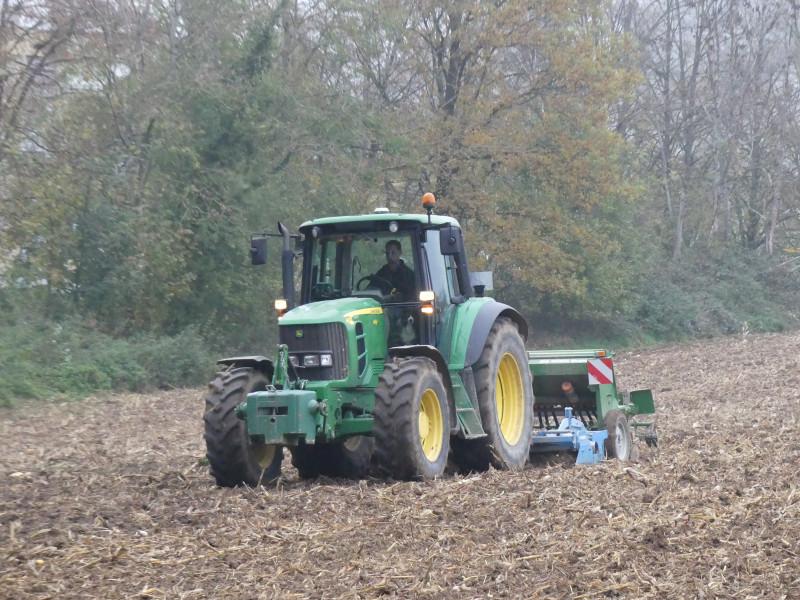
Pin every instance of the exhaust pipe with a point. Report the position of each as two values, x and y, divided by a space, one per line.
287 266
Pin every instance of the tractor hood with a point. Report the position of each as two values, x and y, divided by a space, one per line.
328 311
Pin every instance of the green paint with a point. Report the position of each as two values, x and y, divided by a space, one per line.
607 399
354 426
326 311
550 368
280 376
283 416
643 401
436 220
463 320
537 355
468 415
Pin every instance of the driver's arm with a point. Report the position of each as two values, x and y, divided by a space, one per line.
384 279
406 284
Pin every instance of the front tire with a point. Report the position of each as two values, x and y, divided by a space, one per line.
505 399
233 458
411 420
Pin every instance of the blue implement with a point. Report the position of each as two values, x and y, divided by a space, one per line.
573 436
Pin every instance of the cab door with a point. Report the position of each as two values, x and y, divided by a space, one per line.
442 280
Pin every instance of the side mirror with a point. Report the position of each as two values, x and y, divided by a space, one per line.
258 250
481 281
450 240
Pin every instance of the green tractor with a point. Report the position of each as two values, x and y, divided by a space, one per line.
393 359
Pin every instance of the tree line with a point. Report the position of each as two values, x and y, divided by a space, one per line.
624 167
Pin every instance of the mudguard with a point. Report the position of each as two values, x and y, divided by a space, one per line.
482 325
258 363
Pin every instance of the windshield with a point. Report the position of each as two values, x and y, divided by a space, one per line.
378 265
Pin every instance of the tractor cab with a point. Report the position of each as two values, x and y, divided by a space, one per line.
395 260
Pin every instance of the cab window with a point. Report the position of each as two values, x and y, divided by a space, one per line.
357 265
452 276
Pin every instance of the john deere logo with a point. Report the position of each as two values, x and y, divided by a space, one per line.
298 333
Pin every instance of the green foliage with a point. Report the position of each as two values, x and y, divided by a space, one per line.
71 360
711 293
179 360
125 232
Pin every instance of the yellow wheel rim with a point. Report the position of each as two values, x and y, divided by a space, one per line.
263 454
510 398
431 425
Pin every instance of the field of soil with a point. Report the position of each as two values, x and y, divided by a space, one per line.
111 498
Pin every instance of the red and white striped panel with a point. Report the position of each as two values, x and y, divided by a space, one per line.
601 370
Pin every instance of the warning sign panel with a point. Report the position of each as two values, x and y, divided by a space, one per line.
601 370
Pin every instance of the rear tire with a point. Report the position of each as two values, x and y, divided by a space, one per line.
505 399
619 444
350 458
233 458
411 420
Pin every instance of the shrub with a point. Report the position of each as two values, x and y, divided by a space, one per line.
72 360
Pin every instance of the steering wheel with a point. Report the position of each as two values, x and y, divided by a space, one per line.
384 284
323 291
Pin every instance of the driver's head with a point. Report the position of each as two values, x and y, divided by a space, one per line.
393 252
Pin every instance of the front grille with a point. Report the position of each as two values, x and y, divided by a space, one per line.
315 339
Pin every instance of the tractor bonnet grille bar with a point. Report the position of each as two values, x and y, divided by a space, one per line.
327 338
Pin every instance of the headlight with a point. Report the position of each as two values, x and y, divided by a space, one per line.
311 360
326 360
293 359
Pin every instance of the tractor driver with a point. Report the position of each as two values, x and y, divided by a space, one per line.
397 280
397 274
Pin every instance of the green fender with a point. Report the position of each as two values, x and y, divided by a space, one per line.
471 323
474 320
257 363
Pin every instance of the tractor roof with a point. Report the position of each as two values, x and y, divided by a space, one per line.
382 217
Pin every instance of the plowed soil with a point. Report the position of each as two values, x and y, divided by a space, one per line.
111 498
